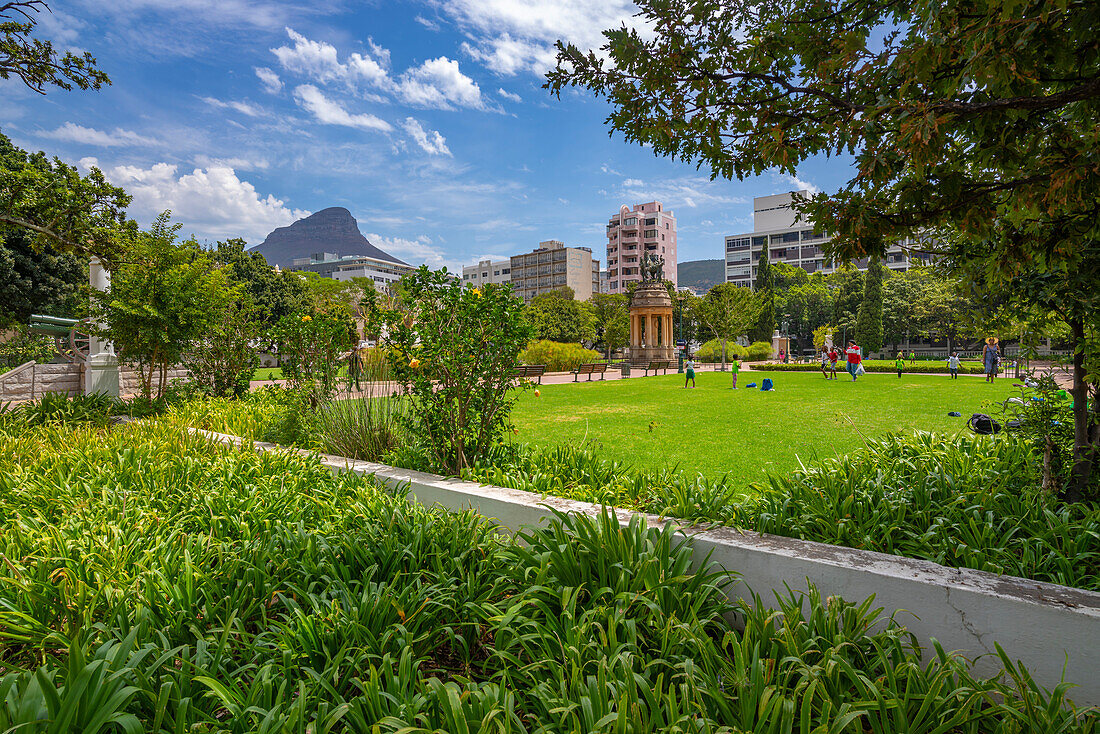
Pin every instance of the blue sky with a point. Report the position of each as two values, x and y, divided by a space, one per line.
425 119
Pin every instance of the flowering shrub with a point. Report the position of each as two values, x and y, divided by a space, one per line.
454 349
310 348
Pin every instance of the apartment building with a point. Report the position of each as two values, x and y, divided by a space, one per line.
552 265
791 242
487 271
646 227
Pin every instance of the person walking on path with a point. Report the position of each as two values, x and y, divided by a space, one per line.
689 373
900 363
953 365
782 356
734 367
854 359
991 356
834 355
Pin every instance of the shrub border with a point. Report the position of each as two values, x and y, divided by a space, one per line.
1045 625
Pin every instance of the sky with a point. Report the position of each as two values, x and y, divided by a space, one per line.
426 120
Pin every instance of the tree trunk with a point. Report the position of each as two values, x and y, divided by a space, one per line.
723 355
1078 482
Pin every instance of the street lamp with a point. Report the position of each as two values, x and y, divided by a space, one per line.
784 326
680 334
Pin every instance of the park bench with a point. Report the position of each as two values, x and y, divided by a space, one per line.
596 368
531 370
656 366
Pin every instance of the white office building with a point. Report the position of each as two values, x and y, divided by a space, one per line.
794 243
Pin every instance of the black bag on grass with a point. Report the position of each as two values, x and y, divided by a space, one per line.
982 424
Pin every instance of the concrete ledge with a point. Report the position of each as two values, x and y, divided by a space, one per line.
1046 626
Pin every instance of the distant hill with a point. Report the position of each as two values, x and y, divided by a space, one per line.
329 230
701 275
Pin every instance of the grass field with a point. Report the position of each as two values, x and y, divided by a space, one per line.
654 422
268 373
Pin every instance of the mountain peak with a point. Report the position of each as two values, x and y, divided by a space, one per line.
329 230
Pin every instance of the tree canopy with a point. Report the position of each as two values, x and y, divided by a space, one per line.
72 213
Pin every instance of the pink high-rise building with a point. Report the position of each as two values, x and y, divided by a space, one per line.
648 227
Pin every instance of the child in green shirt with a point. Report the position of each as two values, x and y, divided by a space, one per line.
734 366
900 364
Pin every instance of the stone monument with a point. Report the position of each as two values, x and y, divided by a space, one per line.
651 337
101 370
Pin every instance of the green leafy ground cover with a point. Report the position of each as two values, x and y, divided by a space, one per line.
154 582
654 423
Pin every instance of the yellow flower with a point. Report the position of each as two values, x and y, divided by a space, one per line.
307 318
414 363
477 292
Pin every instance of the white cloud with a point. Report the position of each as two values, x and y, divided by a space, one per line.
439 84
436 83
509 95
800 183
609 170
431 25
243 107
415 252
689 191
516 36
269 79
329 112
235 162
211 203
429 140
320 61
73 133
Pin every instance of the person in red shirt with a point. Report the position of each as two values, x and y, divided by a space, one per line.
854 359
834 355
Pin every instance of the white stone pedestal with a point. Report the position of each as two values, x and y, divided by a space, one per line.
101 375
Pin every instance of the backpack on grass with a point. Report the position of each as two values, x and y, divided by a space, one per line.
982 424
766 384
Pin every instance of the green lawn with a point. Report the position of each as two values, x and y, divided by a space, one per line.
268 373
654 422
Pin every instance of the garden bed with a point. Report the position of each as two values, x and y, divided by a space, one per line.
154 581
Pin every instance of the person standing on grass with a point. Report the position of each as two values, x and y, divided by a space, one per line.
689 373
900 363
834 355
734 367
912 356
825 363
953 365
854 359
991 355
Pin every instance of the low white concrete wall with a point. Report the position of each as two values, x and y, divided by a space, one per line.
1044 625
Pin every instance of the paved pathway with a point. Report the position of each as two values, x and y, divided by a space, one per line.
1064 377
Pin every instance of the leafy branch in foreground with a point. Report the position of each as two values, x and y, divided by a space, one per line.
34 61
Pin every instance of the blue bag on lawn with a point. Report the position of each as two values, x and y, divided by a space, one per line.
766 384
751 384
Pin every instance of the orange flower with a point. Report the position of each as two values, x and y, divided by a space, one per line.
307 318
414 363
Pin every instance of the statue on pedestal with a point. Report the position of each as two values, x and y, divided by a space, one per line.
652 268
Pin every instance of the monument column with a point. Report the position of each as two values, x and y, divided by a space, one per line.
101 369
